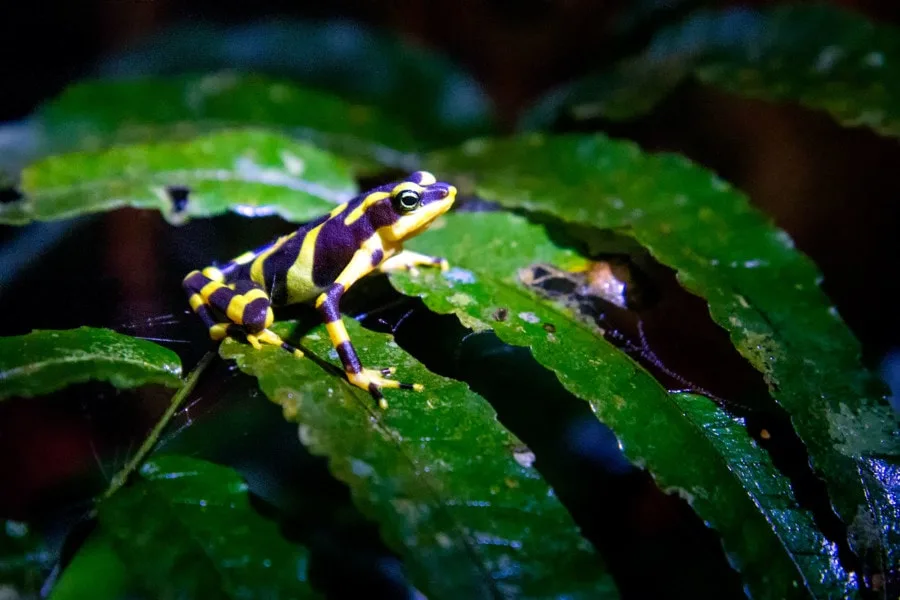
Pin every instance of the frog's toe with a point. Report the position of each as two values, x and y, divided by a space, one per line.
267 336
375 380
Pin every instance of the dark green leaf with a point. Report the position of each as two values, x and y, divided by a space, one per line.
185 529
822 57
47 360
815 557
96 570
685 442
248 171
455 493
406 80
96 114
25 561
761 290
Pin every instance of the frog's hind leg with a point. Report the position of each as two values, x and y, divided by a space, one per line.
328 305
245 306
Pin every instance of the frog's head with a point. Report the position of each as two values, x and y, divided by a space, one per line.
416 202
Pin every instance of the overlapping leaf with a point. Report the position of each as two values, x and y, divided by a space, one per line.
248 171
92 115
405 80
185 528
437 471
687 445
47 360
822 57
761 290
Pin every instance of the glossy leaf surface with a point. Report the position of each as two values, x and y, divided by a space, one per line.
759 288
687 446
822 57
455 493
185 528
248 171
47 360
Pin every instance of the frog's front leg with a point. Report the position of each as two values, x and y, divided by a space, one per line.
244 304
328 304
407 260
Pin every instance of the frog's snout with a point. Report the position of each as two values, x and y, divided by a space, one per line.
447 191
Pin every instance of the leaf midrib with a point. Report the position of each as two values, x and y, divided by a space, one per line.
425 478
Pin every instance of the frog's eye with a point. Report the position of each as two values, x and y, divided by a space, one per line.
407 201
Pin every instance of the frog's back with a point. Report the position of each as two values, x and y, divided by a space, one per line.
268 266
299 266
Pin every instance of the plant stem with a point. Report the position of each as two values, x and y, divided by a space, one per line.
120 478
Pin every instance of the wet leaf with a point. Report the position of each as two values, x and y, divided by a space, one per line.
759 288
247 171
436 470
815 557
25 561
344 57
185 529
686 443
822 57
92 115
47 360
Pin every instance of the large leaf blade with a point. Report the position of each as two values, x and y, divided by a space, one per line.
247 171
759 289
733 486
437 471
95 114
821 57
343 57
44 361
185 528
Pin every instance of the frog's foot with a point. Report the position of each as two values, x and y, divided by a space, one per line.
267 336
407 260
374 380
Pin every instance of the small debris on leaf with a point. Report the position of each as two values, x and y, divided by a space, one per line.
178 194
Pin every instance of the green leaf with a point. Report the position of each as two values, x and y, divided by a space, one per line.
821 57
815 557
47 360
185 529
346 58
96 114
455 493
97 569
761 290
25 561
250 172
686 443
